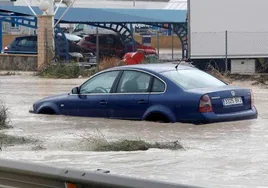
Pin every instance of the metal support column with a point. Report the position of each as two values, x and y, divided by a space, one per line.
13 21
172 41
158 46
133 40
97 48
181 31
226 51
1 35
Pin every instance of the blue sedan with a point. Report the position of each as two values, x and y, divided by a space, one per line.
153 92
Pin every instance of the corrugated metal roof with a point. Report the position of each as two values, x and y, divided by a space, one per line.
99 15
6 2
177 5
105 4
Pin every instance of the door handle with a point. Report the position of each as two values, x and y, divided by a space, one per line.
142 101
103 102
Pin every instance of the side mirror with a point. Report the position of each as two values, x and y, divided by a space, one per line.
75 90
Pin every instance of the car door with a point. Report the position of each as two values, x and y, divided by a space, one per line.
130 100
92 99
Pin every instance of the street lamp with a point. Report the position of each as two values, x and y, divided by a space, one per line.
44 6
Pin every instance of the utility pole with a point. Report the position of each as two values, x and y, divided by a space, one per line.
132 31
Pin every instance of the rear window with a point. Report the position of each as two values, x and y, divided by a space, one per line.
27 42
193 78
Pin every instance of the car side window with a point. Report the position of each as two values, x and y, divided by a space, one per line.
103 40
99 84
91 39
109 40
28 42
22 42
134 82
158 86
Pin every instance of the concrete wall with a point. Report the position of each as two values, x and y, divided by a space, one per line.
18 62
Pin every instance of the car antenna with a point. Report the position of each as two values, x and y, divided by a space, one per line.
178 64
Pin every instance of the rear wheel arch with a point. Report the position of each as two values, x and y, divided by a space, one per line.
157 117
160 110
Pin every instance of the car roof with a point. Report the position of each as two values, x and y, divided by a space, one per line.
157 67
101 35
70 36
26 36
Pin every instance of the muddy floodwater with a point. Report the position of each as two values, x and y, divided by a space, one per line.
233 154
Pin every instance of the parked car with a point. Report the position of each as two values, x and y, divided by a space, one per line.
112 45
28 45
22 45
153 92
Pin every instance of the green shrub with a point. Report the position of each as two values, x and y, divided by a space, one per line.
4 124
66 71
98 142
8 140
135 145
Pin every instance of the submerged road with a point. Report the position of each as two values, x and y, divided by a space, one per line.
233 154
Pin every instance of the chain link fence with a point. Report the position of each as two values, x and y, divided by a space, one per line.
164 47
170 54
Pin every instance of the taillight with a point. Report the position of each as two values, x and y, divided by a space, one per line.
251 99
205 104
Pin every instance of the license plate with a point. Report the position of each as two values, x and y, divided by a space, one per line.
92 60
232 101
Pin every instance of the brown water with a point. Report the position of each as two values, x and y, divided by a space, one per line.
233 154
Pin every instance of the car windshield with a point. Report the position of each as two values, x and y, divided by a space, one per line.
193 79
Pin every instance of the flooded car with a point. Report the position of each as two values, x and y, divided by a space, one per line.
153 92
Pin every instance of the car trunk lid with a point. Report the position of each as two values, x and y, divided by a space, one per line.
227 99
